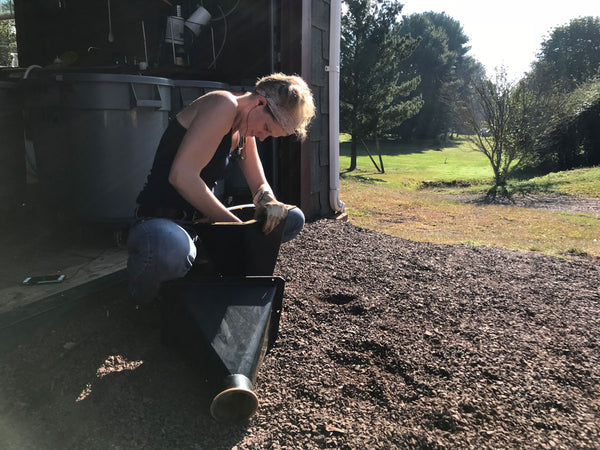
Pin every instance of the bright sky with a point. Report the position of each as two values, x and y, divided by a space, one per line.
507 32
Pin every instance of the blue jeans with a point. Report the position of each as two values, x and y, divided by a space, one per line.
161 250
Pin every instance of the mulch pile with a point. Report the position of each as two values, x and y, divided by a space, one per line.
383 343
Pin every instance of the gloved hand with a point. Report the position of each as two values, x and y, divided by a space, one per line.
267 205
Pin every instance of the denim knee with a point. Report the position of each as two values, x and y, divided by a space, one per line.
159 250
293 224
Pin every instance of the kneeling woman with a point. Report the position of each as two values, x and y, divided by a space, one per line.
194 153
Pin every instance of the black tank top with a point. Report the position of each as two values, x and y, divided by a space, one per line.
158 192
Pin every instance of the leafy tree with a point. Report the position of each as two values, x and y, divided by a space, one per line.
564 80
8 43
371 97
569 56
572 136
441 62
466 72
501 119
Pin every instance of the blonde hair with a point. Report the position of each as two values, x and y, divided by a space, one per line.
290 100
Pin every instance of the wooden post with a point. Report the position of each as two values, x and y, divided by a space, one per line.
379 153
371 156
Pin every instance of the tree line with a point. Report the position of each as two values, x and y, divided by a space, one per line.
411 78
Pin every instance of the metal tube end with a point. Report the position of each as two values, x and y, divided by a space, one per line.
236 401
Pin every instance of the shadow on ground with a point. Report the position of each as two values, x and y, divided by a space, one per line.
93 373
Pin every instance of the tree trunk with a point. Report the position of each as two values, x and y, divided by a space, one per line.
352 154
499 188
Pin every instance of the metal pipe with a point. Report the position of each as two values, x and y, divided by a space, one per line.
335 19
30 68
145 44
236 401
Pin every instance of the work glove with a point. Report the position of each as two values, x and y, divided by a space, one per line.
268 206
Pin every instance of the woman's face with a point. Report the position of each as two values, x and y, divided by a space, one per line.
261 124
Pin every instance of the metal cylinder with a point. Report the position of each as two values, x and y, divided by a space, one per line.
198 19
236 401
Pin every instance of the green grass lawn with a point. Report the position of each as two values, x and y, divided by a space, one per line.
582 182
397 203
413 164
408 165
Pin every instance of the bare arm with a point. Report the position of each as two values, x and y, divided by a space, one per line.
213 120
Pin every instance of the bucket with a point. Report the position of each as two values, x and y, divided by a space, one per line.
199 18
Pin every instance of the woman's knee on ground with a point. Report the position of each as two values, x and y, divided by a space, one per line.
160 249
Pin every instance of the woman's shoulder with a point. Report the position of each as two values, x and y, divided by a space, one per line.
219 97
220 103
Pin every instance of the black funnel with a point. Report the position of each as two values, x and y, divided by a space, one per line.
226 326
225 312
